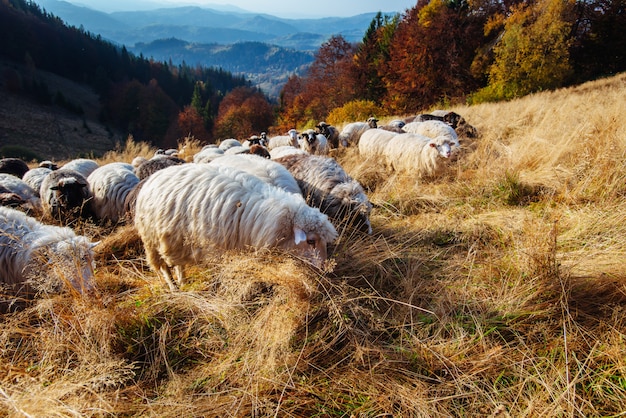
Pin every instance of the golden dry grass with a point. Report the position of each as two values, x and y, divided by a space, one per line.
498 289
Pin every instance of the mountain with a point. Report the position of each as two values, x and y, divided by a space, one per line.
191 34
207 25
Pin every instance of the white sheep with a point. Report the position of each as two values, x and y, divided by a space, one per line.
207 154
229 143
19 187
330 132
351 133
84 166
65 195
109 186
35 257
327 186
458 122
267 170
285 150
35 176
314 143
187 213
373 142
433 129
291 139
416 154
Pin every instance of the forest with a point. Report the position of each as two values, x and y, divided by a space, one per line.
436 54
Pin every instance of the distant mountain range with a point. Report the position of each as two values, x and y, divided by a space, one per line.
267 49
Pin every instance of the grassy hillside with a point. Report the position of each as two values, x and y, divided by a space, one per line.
497 289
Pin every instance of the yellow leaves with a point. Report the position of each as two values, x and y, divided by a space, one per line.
428 12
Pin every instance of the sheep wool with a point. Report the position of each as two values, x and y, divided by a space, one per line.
416 154
269 171
326 185
36 257
109 186
185 214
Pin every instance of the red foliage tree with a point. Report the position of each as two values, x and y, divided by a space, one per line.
243 112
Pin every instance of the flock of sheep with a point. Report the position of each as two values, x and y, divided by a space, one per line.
281 192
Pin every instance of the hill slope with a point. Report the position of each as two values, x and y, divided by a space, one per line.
495 289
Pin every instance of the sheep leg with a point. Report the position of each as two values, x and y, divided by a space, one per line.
167 275
180 278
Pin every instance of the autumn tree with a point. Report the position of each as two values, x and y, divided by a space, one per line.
533 53
243 112
433 49
372 55
328 83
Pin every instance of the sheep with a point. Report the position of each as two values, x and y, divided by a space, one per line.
433 129
84 166
351 133
237 150
314 143
109 186
254 139
15 185
373 142
207 154
284 140
154 164
285 150
450 118
260 150
8 198
416 154
189 212
269 171
65 195
41 258
462 128
330 132
34 177
325 185
393 126
48 164
229 143
13 166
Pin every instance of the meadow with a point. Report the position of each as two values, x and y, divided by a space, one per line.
496 289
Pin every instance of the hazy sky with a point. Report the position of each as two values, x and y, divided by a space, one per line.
281 8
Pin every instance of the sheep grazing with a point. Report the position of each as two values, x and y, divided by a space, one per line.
433 129
374 141
229 143
314 143
416 154
458 122
207 154
65 195
10 199
109 186
330 132
13 166
84 166
34 177
285 150
17 186
351 133
326 185
291 139
260 150
393 126
154 164
40 258
267 170
49 164
449 118
187 213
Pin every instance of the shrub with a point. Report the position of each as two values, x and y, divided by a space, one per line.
18 151
353 111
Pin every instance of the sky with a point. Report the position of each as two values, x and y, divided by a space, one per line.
280 8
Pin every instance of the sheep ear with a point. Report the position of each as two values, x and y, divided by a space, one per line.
299 235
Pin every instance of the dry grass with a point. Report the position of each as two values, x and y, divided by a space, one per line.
496 290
